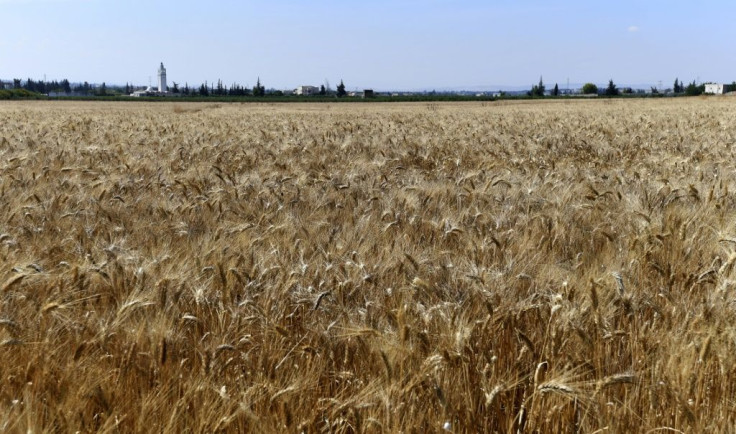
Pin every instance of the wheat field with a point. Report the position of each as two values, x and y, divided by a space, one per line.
563 266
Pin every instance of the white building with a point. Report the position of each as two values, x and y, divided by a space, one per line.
149 91
718 88
714 88
162 79
162 89
307 90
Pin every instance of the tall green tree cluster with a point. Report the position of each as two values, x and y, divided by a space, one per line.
238 90
42 86
694 89
538 89
611 90
677 87
83 88
258 89
220 89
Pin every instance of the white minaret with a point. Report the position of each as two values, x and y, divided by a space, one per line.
162 79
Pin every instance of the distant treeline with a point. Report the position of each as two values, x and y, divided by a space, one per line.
37 89
678 89
204 89
41 86
216 91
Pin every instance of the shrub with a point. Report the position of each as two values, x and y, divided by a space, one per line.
19 94
590 88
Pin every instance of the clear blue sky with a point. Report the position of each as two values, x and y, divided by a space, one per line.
383 44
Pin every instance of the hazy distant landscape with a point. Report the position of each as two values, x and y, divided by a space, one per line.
218 90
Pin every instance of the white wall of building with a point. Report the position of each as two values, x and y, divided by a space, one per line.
307 90
714 88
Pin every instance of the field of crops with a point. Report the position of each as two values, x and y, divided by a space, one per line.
565 266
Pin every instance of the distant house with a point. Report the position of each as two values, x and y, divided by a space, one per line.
716 88
149 91
368 93
306 90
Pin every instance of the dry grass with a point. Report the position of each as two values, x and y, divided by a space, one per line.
559 267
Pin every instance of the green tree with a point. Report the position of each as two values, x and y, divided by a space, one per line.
693 89
677 88
537 89
236 90
175 87
258 89
611 90
322 90
556 90
341 89
103 90
590 88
